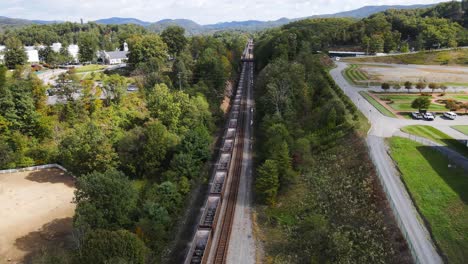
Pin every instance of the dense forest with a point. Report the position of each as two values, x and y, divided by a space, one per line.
136 156
319 199
444 25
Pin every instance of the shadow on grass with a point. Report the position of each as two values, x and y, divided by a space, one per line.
51 235
456 176
51 176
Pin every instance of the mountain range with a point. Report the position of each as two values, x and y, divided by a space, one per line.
193 28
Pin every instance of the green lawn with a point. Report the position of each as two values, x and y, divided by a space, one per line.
438 136
88 68
463 129
440 193
402 102
377 105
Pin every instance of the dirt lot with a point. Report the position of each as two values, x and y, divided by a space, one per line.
415 73
35 212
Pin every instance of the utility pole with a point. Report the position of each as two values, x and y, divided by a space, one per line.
180 81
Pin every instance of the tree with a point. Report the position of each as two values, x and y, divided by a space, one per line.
88 45
145 48
86 149
114 87
15 53
3 71
397 86
104 247
174 37
267 182
422 102
433 86
385 86
104 200
420 86
408 85
443 87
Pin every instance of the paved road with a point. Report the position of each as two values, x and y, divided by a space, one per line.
384 126
242 244
381 126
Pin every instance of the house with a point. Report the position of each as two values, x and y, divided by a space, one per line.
31 52
114 57
74 50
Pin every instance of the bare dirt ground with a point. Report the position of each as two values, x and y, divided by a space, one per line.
36 211
415 73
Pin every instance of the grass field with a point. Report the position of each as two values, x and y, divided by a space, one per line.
355 76
448 57
438 136
377 105
402 102
462 129
89 68
440 193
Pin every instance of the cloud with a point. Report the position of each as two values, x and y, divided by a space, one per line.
202 11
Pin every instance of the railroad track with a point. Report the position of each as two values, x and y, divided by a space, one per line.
228 219
217 217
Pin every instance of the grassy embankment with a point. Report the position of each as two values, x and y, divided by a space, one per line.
446 57
439 192
462 129
437 136
377 105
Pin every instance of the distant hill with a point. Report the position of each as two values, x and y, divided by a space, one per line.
194 28
370 10
121 21
190 26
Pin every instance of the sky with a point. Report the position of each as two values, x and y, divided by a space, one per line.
200 11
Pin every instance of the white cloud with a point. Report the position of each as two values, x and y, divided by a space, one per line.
202 11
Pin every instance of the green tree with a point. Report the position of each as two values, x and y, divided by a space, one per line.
397 86
104 200
267 182
15 53
408 85
88 45
174 37
104 247
86 149
385 86
433 86
422 102
115 87
145 48
421 86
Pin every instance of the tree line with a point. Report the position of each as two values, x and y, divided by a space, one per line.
136 156
318 197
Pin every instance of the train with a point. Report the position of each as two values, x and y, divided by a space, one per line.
202 240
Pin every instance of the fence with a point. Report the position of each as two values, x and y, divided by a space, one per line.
34 168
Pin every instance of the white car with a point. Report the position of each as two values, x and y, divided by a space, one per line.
428 116
450 115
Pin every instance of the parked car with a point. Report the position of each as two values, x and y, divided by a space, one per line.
416 115
428 116
450 115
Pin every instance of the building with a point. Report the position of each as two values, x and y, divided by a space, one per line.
114 57
74 50
31 52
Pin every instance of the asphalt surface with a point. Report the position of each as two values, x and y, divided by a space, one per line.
410 223
242 244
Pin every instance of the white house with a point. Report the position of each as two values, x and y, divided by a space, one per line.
33 56
74 50
56 46
31 52
114 57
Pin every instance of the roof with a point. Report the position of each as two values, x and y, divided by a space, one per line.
113 55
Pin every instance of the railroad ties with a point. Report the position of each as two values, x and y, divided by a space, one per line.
225 181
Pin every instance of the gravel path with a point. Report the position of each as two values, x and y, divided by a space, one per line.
242 244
